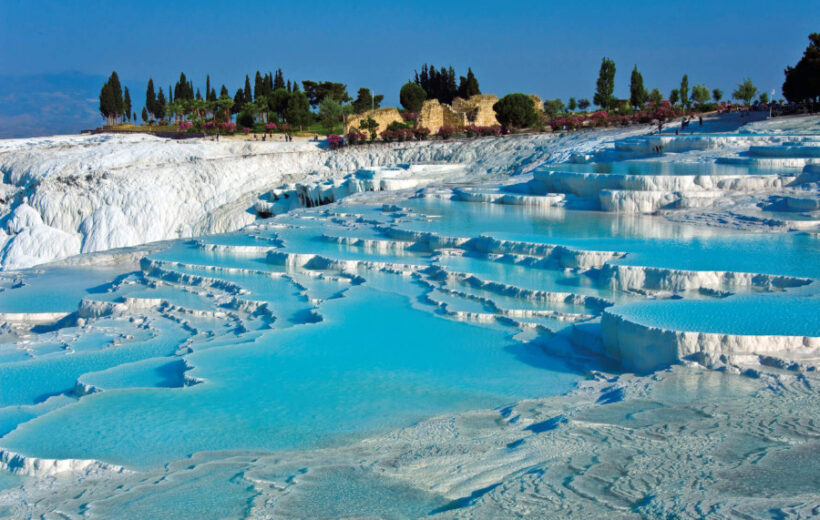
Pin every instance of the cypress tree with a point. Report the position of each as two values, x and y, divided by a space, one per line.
126 103
278 80
452 87
150 97
258 85
605 85
224 92
468 86
248 92
106 101
238 101
208 87
144 115
198 95
637 92
160 113
116 93
684 91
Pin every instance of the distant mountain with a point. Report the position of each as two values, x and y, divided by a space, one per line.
48 104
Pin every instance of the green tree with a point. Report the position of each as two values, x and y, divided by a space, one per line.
106 102
412 96
150 97
764 97
516 111
278 80
468 87
297 111
553 106
572 105
370 125
111 102
144 115
126 103
365 101
278 101
637 92
160 106
717 95
583 104
224 105
700 94
238 101
247 93
318 91
606 85
684 91
674 96
655 97
745 92
802 81
330 112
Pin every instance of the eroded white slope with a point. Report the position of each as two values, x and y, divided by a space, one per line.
93 193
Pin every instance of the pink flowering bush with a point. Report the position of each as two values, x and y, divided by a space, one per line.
399 134
421 132
598 118
566 123
185 125
284 127
355 137
409 116
446 131
227 127
334 141
270 127
209 125
246 130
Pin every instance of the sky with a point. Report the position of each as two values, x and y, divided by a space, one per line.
552 49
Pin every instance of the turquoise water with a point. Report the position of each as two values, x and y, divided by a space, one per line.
374 363
649 240
270 356
650 167
743 314
57 289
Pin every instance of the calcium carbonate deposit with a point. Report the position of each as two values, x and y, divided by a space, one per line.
605 324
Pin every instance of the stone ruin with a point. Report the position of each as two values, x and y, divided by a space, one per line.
477 110
382 116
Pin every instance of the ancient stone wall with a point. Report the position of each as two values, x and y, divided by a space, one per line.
478 109
382 116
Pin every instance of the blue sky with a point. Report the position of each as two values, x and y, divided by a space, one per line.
552 49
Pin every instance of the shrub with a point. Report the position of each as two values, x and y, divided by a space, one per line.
412 96
421 132
409 116
209 125
516 111
228 126
284 127
404 134
246 130
334 141
388 135
397 125
446 131
490 130
245 119
355 137
185 125
270 127
598 118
